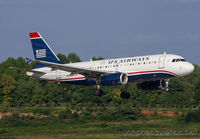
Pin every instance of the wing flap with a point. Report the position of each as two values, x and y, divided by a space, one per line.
75 69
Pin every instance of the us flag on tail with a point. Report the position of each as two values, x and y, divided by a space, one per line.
41 53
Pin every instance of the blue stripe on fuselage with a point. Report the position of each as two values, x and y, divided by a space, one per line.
131 78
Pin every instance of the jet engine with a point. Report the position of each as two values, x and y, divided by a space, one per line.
114 79
154 85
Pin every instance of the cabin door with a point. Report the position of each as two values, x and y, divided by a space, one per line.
58 75
117 67
161 62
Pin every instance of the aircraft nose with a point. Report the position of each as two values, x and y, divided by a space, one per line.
189 68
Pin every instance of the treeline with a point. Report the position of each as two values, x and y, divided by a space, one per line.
18 90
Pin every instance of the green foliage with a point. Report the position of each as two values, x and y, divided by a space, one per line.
63 58
65 114
97 58
16 120
8 85
121 114
193 116
75 115
87 113
3 108
16 89
42 111
72 57
197 68
3 131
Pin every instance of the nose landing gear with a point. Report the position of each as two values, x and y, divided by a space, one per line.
165 84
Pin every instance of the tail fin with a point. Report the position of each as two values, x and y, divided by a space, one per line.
41 50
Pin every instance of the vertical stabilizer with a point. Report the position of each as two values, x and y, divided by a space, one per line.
41 50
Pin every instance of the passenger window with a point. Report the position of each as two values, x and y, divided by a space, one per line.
174 60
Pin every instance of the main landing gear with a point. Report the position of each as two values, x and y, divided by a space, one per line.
124 94
99 91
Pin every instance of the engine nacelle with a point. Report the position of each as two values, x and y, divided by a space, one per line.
153 85
114 79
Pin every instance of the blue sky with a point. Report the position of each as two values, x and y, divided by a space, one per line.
107 28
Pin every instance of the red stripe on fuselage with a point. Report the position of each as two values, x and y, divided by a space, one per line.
131 73
34 35
141 72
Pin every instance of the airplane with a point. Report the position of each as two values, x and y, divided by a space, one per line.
151 72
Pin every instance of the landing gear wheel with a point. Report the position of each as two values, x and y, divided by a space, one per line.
125 95
99 92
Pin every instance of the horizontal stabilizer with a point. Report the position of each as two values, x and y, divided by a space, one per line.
28 60
26 70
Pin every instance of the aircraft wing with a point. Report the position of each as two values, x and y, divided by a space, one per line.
75 69
27 70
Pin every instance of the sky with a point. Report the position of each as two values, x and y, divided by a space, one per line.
107 28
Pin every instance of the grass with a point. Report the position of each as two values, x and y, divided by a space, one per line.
100 129
46 125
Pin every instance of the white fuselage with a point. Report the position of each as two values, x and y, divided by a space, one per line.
161 66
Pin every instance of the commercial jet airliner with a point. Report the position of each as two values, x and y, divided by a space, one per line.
152 72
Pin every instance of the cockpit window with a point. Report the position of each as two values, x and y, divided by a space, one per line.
178 60
183 60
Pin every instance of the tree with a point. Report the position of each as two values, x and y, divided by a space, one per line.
197 93
23 94
16 89
97 58
72 57
8 84
63 58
